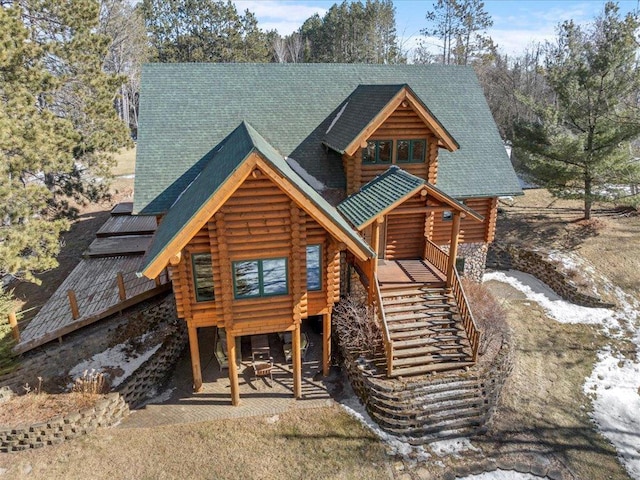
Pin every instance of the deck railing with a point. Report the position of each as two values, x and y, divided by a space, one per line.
469 324
436 256
386 336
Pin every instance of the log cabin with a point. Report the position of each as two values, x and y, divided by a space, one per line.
277 188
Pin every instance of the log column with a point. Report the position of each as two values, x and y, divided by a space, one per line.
194 349
226 290
233 368
326 343
297 362
298 289
453 248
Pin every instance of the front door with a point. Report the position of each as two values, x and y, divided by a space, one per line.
404 236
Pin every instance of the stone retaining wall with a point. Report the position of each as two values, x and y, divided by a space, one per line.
537 263
144 382
430 407
107 412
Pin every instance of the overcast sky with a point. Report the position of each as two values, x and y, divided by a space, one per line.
516 23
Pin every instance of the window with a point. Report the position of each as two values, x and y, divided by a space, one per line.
447 215
314 275
202 276
377 151
260 278
410 151
460 264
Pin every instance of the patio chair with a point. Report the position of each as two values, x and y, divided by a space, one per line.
262 365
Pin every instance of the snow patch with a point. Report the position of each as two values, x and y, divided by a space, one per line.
560 310
615 381
117 357
316 184
162 397
502 475
337 117
454 447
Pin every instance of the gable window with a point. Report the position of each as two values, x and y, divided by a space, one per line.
410 151
202 277
377 151
447 215
314 271
260 278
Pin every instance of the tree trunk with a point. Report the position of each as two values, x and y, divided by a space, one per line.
588 200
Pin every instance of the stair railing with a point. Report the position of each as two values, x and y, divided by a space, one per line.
469 324
436 256
386 336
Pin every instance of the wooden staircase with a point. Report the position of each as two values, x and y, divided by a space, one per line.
425 329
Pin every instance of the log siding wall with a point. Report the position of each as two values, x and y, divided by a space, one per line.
403 124
258 221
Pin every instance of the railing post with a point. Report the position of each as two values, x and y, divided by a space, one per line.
13 322
453 248
122 293
73 303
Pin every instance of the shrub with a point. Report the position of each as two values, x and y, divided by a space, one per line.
91 382
488 312
357 327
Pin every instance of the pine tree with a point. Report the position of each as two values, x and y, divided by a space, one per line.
57 125
580 144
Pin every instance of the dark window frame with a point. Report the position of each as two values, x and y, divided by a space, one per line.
261 293
197 287
412 144
376 159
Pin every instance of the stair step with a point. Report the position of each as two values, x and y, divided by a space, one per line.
416 299
408 292
420 342
429 359
434 367
423 332
419 316
418 308
394 326
414 352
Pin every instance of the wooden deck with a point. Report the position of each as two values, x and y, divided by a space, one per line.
394 273
94 282
100 285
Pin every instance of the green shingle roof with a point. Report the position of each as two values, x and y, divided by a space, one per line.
379 194
187 108
212 174
391 187
356 112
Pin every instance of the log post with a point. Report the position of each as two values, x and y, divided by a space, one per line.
453 247
13 322
194 349
73 303
326 341
122 293
375 240
233 368
297 362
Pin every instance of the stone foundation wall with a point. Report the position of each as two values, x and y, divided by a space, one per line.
105 413
475 258
357 291
537 263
